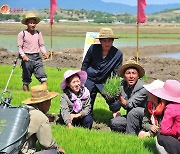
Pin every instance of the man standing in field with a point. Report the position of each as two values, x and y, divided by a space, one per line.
30 42
100 62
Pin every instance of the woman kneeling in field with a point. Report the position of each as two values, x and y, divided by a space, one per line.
153 112
75 100
169 136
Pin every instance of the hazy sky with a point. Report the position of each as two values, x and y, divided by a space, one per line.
134 2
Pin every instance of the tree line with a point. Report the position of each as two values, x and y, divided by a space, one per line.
95 16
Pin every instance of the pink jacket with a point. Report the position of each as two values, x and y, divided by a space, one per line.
170 124
28 43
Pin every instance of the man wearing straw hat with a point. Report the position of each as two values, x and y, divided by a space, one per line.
30 42
133 98
100 62
39 127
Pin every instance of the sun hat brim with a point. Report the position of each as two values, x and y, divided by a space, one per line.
82 75
154 85
164 94
24 21
107 37
49 96
125 66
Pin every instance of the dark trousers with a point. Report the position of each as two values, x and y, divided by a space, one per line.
114 105
170 144
131 123
34 65
86 121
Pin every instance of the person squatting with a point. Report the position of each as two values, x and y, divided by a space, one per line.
152 109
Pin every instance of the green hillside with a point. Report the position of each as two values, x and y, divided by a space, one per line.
64 15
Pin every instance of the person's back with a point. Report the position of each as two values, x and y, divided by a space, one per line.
170 124
39 128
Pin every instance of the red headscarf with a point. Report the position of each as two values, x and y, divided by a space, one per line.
154 111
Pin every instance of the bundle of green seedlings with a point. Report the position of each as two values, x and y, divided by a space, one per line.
112 87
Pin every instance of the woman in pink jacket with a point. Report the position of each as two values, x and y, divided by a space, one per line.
169 136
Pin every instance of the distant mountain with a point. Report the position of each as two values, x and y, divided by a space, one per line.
96 5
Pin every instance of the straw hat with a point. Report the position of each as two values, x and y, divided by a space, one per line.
30 16
129 64
154 85
39 94
69 73
106 33
170 91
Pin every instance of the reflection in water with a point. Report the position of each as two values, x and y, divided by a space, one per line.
170 55
10 42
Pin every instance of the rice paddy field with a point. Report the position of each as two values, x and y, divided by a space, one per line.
64 33
72 35
78 140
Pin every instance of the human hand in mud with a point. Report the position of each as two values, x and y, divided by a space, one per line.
25 58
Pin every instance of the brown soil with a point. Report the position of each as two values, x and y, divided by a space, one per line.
156 68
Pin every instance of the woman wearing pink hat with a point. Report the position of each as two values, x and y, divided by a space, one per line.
169 136
153 112
75 101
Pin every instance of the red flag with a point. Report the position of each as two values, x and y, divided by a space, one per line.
141 16
53 6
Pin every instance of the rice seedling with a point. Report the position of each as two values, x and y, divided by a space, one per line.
112 87
78 140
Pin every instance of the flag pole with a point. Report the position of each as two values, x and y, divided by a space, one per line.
137 35
51 44
137 47
53 6
141 18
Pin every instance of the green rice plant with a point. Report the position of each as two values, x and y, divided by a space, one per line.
112 87
78 140
144 78
84 141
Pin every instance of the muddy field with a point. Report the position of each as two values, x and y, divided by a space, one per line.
156 68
